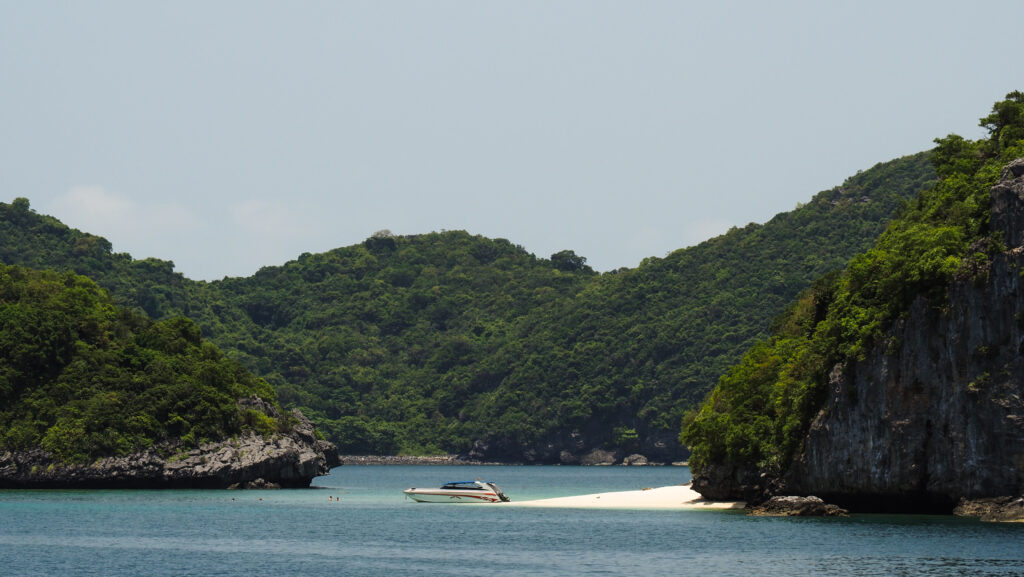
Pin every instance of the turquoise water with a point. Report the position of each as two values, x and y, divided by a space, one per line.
374 531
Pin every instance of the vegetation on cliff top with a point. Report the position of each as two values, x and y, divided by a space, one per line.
423 344
82 378
758 414
39 241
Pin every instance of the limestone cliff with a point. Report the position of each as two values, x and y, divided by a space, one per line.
937 413
251 460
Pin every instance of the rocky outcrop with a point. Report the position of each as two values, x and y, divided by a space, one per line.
635 460
726 482
251 460
793 506
600 457
995 509
1008 204
412 460
936 414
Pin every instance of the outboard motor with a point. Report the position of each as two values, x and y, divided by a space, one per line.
498 492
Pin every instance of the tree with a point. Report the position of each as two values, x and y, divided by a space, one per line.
380 241
569 261
1006 123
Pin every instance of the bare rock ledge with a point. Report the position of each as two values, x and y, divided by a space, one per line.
251 460
993 509
790 506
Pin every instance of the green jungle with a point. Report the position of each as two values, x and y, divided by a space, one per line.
449 342
82 378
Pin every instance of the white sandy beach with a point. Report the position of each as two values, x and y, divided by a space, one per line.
672 497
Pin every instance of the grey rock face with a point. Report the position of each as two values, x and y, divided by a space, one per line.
289 460
567 458
599 457
635 460
728 483
792 506
942 418
1008 204
995 509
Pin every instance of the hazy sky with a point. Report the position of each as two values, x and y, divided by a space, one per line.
226 136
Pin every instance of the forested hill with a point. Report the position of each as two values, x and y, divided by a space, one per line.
39 241
435 342
83 379
640 347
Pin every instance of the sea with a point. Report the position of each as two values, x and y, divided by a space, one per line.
356 522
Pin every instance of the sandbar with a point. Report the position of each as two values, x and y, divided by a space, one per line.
671 497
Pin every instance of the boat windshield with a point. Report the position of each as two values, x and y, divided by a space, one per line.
462 485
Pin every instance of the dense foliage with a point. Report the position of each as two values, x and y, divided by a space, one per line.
635 349
420 344
83 378
42 242
758 414
383 343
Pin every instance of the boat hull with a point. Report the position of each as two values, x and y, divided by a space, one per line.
442 496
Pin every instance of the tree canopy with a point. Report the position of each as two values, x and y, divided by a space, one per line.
427 343
83 378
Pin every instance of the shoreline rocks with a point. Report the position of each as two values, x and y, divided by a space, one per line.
635 460
600 457
350 460
589 446
794 506
250 460
993 509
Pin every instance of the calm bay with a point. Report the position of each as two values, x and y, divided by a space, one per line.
373 530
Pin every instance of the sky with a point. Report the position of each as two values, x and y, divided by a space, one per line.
230 135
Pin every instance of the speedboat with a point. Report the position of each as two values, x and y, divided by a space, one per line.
458 492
